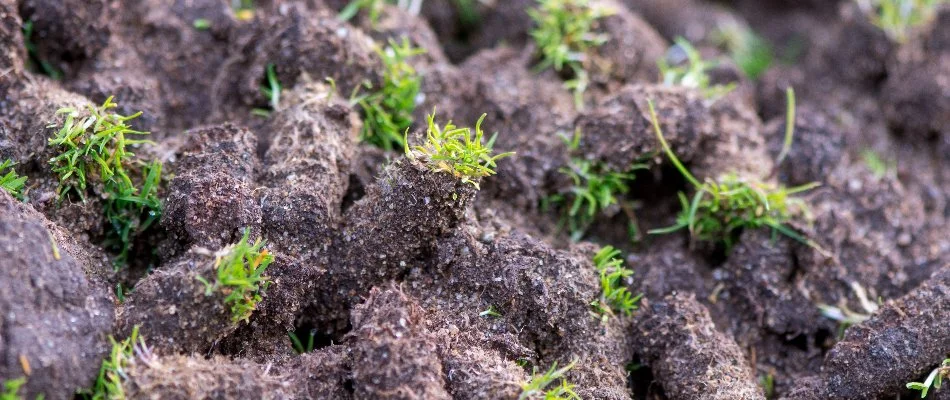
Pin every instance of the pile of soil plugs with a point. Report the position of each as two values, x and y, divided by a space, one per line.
402 281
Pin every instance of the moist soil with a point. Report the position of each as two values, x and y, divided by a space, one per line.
389 268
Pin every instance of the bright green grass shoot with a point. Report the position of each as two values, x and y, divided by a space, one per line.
692 73
934 379
897 17
271 89
387 112
878 166
298 345
114 369
240 276
614 298
720 209
565 35
457 151
595 188
11 182
538 386
11 389
751 53
93 152
373 9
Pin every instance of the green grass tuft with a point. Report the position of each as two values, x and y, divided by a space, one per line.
692 73
720 209
537 387
387 112
934 379
614 298
565 36
595 188
897 17
298 345
240 276
11 182
457 151
93 152
11 389
113 372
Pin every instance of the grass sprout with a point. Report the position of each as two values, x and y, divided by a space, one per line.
93 146
539 385
595 188
373 9
34 61
387 112
491 311
243 9
880 167
11 389
565 35
457 151
720 209
934 379
844 315
751 53
614 298
11 182
691 71
298 345
897 17
240 276
114 369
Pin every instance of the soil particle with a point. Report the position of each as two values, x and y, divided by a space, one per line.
694 20
666 267
473 372
323 374
818 146
688 356
397 24
211 198
498 22
394 355
173 308
67 31
903 341
53 319
181 378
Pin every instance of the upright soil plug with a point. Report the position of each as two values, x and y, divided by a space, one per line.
395 355
55 318
202 297
688 356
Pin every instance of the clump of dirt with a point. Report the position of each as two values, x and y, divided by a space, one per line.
392 274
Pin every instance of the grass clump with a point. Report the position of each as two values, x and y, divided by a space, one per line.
595 188
934 379
897 17
93 152
387 112
691 71
721 208
11 389
614 297
11 182
457 151
565 35
240 276
113 372
538 386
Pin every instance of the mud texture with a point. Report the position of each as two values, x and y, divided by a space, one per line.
405 282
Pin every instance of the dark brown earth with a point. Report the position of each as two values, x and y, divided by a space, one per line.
390 265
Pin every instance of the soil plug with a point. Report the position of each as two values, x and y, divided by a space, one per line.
201 298
900 343
688 356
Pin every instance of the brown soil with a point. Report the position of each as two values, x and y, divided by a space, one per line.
389 265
